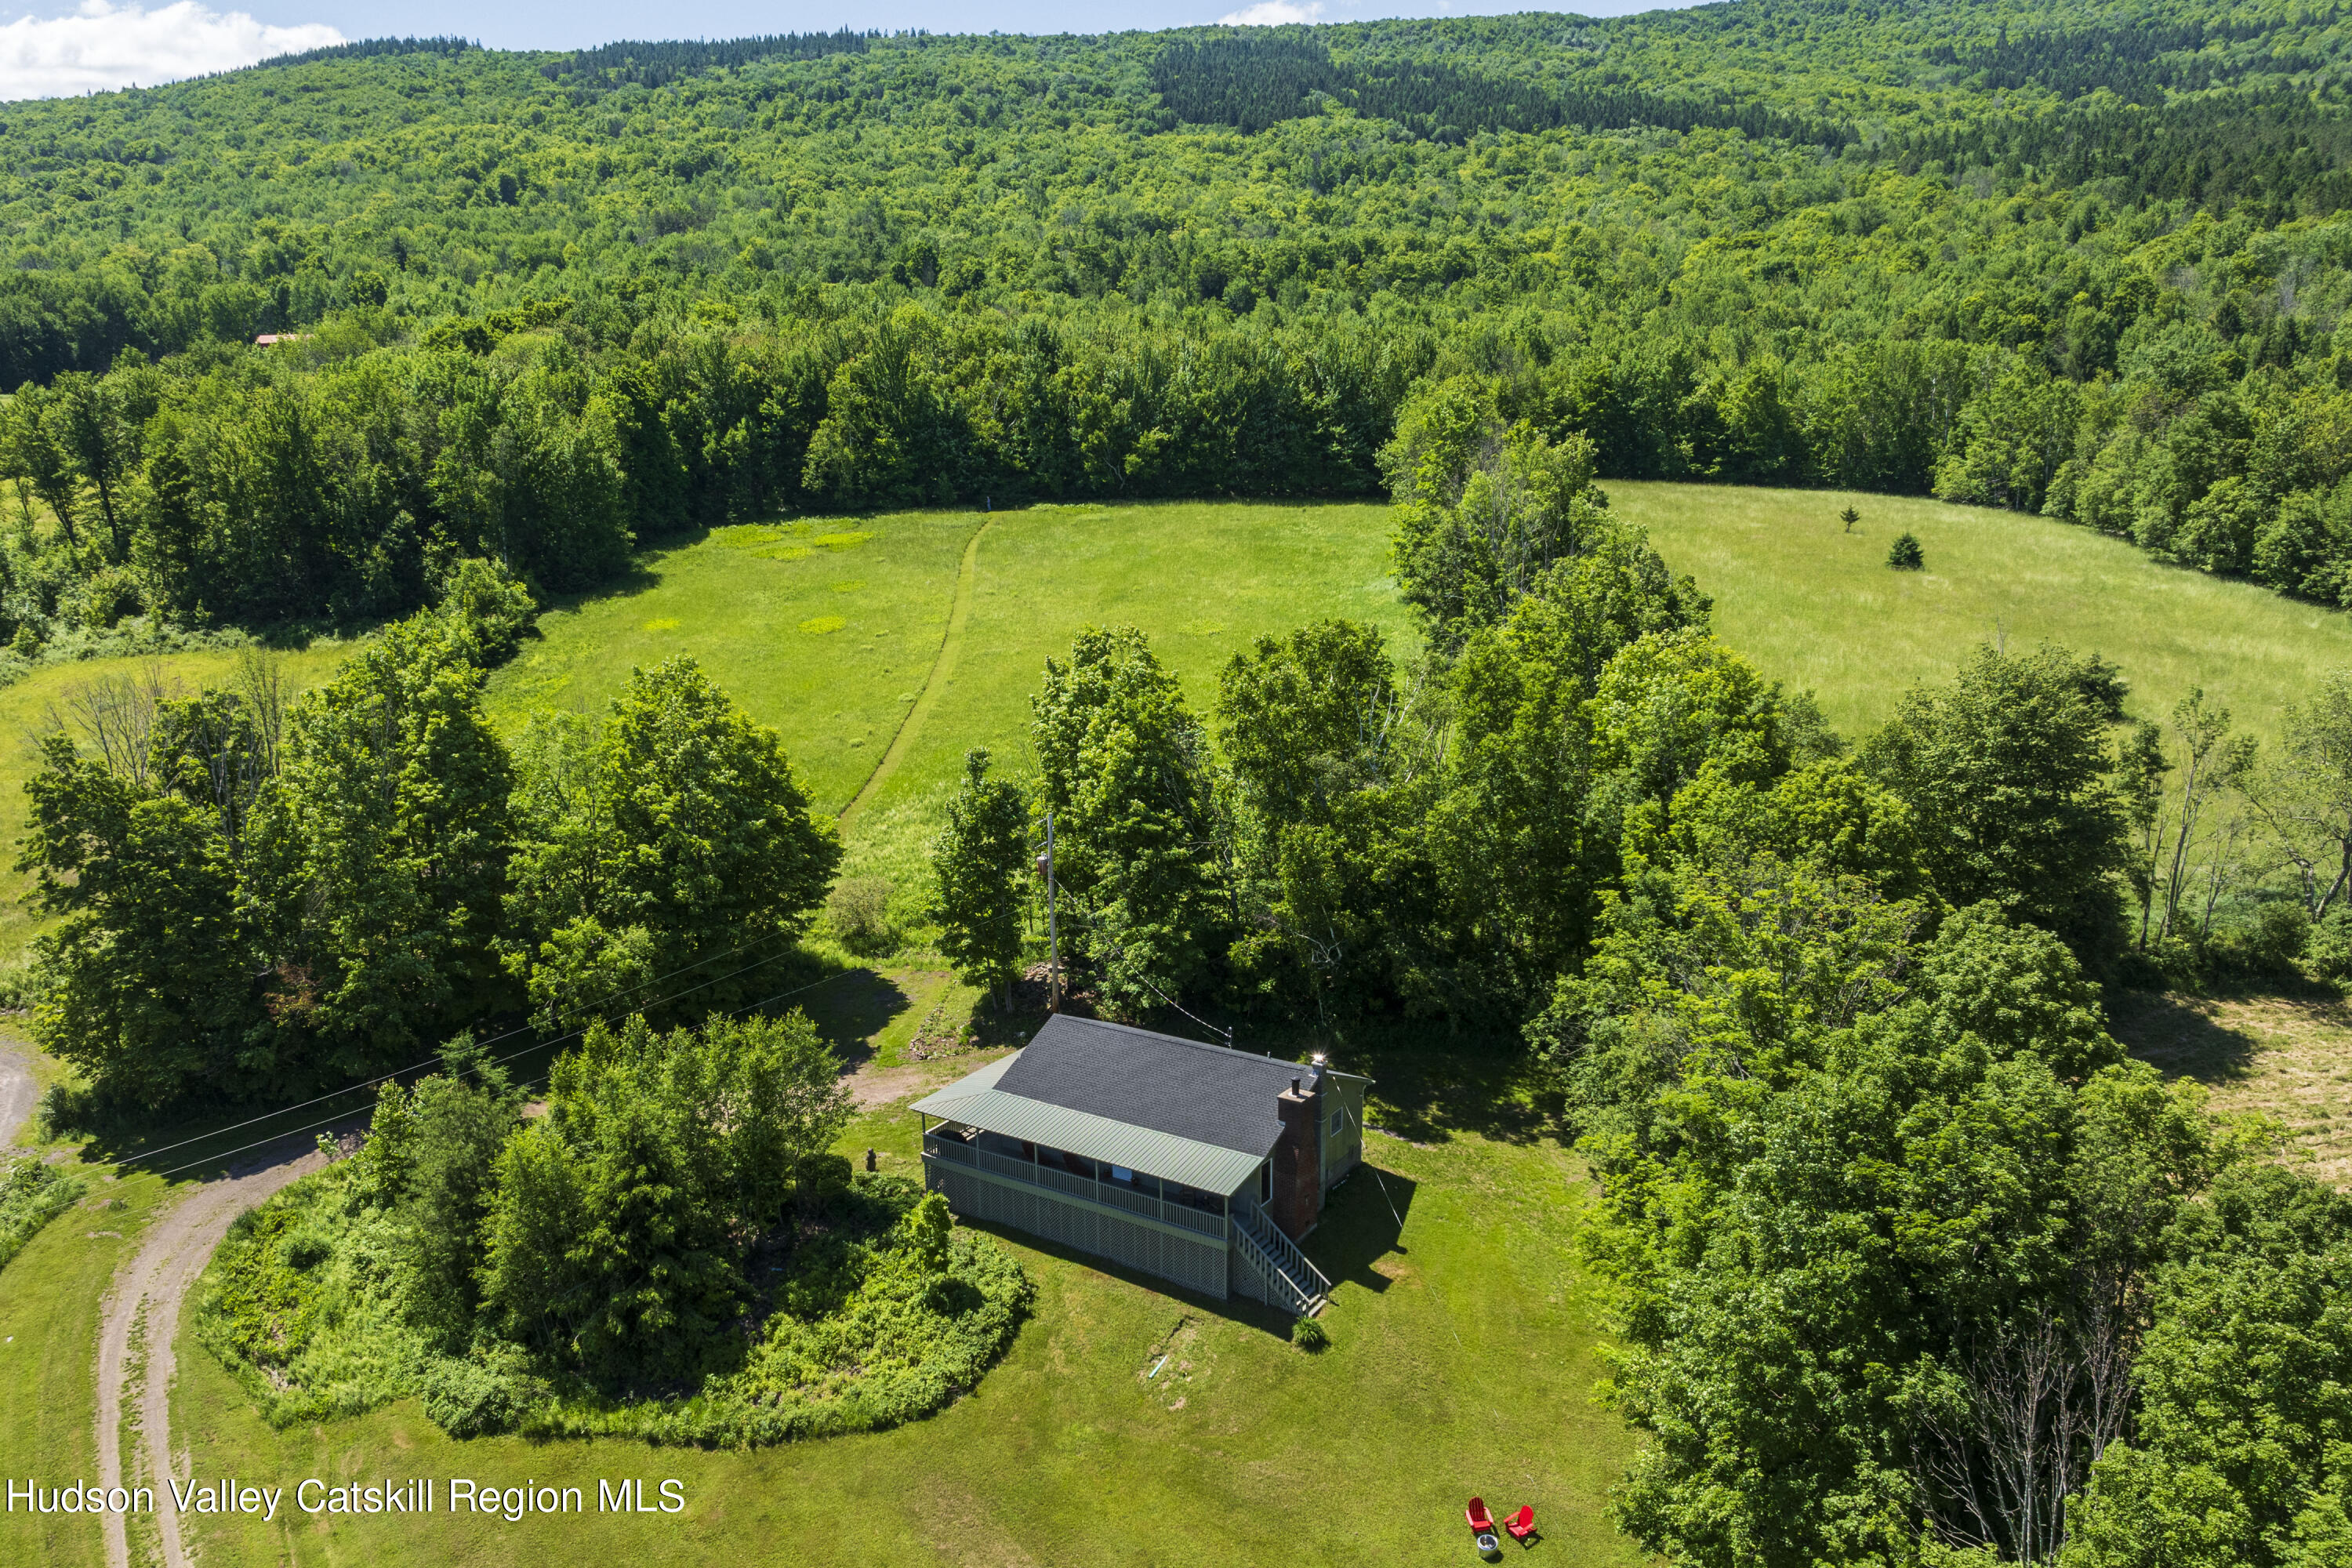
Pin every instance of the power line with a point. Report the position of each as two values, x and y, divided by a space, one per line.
428 1061
536 1077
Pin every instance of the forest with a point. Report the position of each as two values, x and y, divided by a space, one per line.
2084 261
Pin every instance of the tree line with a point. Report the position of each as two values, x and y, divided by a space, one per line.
336 479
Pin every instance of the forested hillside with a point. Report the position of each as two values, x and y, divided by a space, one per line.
2082 259
1910 1264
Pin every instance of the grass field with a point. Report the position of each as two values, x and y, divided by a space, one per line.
1816 607
1463 1361
1203 579
2288 1059
49 1303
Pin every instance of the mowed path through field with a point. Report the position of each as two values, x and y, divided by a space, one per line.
16 1090
942 672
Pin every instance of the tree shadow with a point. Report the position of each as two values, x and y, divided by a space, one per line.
1363 1222
852 1009
1425 1095
1427 1084
2180 1038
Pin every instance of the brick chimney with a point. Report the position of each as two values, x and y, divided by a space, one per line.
1298 1158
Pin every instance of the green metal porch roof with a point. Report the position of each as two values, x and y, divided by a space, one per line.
976 1101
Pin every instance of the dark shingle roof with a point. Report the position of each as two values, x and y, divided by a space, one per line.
1207 1093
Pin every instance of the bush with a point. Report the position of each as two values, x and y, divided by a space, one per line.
304 1250
469 1399
879 1311
859 913
2329 949
1907 555
2281 936
31 1194
1310 1335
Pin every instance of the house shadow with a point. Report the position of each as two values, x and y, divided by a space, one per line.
1363 1222
1233 1309
2179 1036
1426 1094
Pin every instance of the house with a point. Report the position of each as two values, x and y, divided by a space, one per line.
1200 1164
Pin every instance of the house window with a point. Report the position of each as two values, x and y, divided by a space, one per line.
1265 1183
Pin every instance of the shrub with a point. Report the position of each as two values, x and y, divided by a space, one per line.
2281 936
1310 1335
469 1399
261 1307
1849 517
859 913
1907 555
2329 949
31 1194
879 1311
304 1250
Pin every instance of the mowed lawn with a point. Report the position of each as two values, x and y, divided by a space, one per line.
1816 607
1463 1361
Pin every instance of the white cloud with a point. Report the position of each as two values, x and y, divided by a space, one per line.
102 45
1273 14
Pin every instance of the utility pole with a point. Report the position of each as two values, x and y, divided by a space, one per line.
1053 932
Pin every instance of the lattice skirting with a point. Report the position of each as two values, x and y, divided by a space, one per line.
1197 1265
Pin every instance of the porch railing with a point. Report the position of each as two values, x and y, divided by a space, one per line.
1110 1194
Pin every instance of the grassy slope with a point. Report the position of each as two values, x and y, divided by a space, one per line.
827 643
1463 1362
1818 607
2285 1057
1202 579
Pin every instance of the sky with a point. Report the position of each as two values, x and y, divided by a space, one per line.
55 49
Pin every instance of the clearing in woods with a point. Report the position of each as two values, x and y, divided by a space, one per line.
883 647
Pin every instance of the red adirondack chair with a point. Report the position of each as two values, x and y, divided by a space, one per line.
1521 1524
1480 1520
